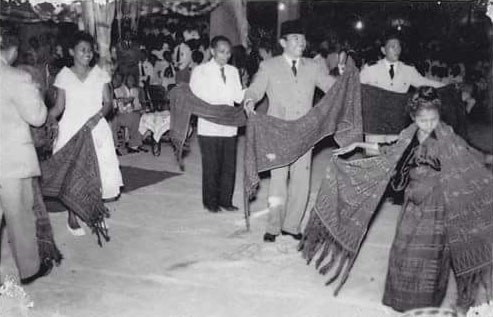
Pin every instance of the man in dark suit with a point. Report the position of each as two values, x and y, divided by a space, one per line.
20 106
289 80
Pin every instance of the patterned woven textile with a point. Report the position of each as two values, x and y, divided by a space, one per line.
273 142
351 191
71 175
183 103
48 250
384 112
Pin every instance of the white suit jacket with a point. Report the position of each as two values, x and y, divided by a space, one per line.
20 106
404 76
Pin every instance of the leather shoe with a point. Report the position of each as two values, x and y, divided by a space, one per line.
296 236
142 149
212 209
229 208
131 150
269 237
44 269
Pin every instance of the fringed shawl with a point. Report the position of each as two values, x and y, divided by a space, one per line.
72 176
184 104
377 101
273 142
352 190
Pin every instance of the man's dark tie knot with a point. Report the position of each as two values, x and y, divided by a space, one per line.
293 68
223 75
391 71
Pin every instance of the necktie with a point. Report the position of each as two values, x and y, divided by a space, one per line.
223 75
293 68
391 71
142 72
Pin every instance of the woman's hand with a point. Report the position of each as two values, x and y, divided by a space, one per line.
249 107
93 121
346 149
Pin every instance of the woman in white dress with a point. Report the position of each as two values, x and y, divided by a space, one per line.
82 92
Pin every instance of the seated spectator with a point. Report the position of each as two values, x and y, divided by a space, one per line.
128 107
182 58
169 74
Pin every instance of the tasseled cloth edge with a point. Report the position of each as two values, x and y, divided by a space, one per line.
98 225
47 249
318 240
469 283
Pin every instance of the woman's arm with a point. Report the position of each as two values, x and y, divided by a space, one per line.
353 146
107 100
59 106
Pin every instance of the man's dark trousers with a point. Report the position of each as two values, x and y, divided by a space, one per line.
218 170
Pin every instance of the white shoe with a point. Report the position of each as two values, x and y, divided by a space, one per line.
79 232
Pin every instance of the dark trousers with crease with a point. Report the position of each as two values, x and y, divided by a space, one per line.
218 170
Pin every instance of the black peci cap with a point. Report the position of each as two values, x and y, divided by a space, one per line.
292 27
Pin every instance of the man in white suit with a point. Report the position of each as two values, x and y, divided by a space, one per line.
289 81
20 106
391 74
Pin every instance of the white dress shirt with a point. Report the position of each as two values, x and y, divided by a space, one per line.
207 83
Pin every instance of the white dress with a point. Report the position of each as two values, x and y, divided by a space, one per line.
82 101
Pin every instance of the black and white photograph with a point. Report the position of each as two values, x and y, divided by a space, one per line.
246 158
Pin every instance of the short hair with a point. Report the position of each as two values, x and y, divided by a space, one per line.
391 35
8 38
425 98
266 45
81 36
197 57
219 38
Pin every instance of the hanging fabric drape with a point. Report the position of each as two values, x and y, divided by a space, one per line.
98 17
185 8
230 20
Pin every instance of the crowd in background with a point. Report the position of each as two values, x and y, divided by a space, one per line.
163 53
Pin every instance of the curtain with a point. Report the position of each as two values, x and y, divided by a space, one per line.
98 17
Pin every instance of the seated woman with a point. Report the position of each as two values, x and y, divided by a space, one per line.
445 222
128 107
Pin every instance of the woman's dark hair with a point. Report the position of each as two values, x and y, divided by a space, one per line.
425 98
81 36
197 57
266 45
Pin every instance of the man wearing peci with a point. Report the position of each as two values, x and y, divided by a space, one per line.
217 83
289 80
